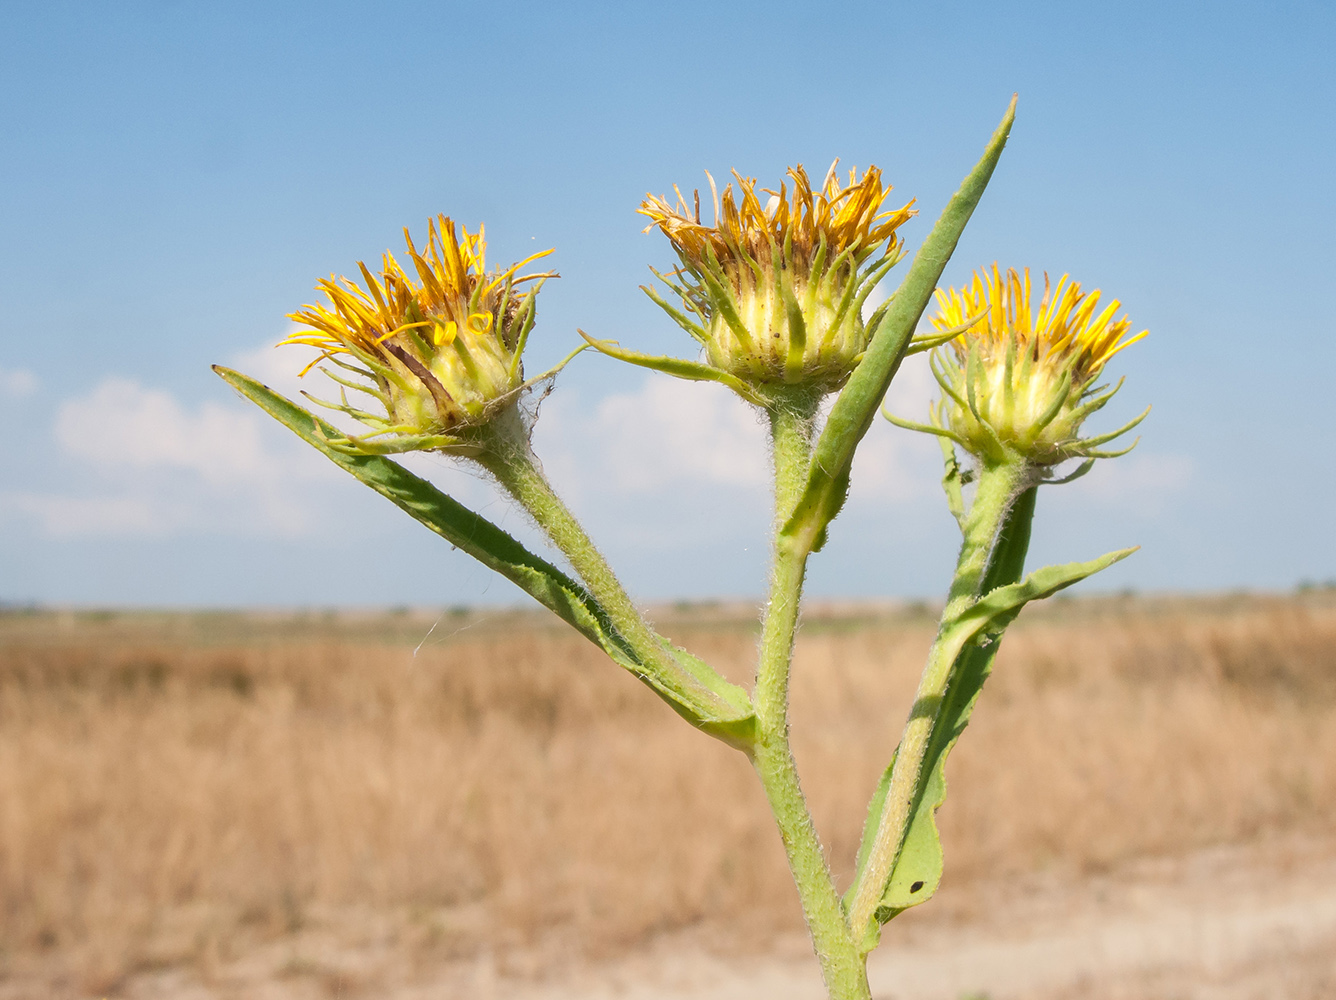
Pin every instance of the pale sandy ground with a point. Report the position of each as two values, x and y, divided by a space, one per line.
1255 922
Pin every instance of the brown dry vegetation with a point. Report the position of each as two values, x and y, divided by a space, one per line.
178 789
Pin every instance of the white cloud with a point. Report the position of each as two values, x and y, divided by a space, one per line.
122 423
893 463
61 516
667 434
280 367
913 389
147 464
1143 484
17 383
141 462
670 437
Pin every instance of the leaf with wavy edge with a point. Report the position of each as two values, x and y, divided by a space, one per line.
974 637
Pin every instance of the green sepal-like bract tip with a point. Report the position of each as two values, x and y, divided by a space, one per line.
692 371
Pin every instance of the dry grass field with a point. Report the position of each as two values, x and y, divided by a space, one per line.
180 792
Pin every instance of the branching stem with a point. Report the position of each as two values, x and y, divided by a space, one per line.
505 453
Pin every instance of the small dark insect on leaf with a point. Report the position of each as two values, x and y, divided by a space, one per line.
916 887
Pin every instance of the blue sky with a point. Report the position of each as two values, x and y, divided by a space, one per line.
174 177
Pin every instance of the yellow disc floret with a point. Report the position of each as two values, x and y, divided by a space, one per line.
774 289
439 348
1019 380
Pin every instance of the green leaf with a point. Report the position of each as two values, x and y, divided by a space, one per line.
495 549
918 867
857 404
998 607
839 495
1006 562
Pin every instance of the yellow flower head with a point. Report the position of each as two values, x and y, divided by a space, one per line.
439 348
1019 380
774 289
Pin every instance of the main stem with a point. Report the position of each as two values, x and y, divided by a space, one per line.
998 487
842 966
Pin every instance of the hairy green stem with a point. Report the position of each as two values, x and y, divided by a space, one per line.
505 453
842 966
791 435
999 486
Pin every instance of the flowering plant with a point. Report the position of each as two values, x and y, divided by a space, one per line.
774 294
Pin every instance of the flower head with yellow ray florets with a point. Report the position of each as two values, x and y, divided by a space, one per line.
1019 381
774 289
440 353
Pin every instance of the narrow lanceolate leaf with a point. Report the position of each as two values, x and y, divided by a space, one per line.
997 608
917 871
918 868
498 551
857 404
